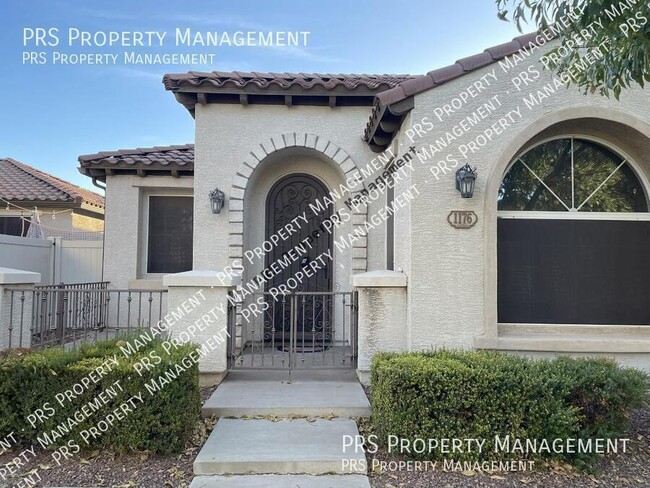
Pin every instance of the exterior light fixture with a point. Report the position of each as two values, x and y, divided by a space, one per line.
465 179
217 199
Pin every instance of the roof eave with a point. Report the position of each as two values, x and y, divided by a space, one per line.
101 172
89 207
387 123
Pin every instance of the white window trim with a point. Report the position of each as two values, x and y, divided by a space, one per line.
143 249
562 215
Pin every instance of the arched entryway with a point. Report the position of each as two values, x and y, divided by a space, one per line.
299 310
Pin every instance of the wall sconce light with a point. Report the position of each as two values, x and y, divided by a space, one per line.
465 179
217 199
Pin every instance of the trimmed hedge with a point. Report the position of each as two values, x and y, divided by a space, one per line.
477 395
161 422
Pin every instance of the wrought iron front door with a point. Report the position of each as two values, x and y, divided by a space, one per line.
301 260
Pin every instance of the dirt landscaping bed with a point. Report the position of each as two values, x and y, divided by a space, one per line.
103 468
631 469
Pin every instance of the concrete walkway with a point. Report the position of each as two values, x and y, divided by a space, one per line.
280 481
296 449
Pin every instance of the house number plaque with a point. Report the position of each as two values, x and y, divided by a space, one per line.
462 219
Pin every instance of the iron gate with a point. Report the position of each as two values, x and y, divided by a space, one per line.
301 330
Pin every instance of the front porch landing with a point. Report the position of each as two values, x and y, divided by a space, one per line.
308 393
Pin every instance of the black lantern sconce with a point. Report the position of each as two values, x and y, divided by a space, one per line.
217 200
465 179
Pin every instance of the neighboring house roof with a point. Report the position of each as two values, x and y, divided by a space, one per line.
278 88
22 183
392 106
166 160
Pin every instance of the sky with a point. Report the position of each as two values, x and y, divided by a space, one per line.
52 113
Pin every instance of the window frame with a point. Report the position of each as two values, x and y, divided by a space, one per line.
143 248
572 215
14 215
645 184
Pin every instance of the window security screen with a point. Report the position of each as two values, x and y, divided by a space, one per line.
573 271
170 234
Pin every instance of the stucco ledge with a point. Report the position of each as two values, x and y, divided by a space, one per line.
200 278
379 279
583 343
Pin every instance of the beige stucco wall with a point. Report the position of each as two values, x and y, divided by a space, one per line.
83 222
225 137
451 293
452 277
125 226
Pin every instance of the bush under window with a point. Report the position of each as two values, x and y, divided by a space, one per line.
479 395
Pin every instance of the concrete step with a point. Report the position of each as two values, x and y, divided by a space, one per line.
249 394
284 447
282 481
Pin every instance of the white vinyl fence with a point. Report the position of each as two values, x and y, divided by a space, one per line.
57 260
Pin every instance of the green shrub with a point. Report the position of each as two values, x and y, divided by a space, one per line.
603 394
478 395
161 421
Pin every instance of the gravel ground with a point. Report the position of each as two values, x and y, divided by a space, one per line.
631 469
106 469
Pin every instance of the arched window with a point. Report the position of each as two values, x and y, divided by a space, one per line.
572 175
573 237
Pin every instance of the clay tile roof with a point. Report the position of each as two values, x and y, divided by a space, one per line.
306 81
433 79
20 182
158 158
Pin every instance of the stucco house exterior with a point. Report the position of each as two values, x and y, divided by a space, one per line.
547 255
62 207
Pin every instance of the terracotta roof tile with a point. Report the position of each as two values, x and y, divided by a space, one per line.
20 182
503 50
476 61
392 96
168 158
442 75
180 155
307 81
527 39
416 85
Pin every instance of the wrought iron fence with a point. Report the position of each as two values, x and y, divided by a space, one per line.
69 314
301 330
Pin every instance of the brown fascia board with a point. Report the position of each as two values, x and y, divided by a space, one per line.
295 90
46 203
189 97
92 209
101 172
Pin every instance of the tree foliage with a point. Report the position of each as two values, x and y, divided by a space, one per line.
619 29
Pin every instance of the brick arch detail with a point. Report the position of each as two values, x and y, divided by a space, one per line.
260 152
